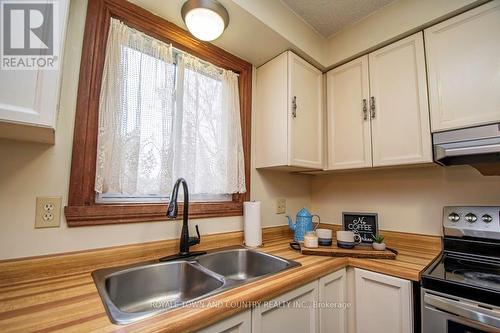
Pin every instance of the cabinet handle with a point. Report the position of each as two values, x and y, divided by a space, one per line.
365 110
294 106
372 107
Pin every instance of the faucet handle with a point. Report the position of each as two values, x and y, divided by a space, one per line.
197 231
195 240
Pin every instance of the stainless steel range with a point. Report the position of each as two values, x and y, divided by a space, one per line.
461 289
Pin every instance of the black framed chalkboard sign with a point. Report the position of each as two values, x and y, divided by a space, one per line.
364 224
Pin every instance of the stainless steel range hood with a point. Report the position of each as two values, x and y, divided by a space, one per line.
476 146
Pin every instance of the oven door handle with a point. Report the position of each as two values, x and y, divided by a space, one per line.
464 310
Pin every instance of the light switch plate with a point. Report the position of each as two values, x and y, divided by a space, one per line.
280 206
48 212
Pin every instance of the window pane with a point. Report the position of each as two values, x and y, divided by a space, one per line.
160 120
202 132
148 95
148 87
125 198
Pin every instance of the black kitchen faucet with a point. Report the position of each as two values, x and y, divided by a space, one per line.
172 210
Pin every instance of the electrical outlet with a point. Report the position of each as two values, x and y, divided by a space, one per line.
48 212
280 206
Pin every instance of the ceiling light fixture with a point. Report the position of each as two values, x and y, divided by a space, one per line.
205 19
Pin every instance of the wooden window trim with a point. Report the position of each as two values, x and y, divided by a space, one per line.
82 208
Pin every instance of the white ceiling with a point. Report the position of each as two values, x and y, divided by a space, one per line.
328 17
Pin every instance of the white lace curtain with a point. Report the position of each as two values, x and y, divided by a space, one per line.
164 115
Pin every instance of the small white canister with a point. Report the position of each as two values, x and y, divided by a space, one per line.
311 240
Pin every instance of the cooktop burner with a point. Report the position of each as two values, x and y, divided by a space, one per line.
474 272
487 280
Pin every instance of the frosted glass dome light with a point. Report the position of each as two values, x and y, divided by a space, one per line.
205 19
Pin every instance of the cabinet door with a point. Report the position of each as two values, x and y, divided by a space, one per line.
348 131
383 303
239 323
292 312
271 113
31 97
463 55
400 119
332 296
305 134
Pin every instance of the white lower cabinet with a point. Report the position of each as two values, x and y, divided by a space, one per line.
379 304
383 303
332 290
239 323
291 312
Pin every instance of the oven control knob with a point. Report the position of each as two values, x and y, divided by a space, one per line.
471 218
453 217
486 218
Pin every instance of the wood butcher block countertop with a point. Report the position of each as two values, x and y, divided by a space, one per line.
57 293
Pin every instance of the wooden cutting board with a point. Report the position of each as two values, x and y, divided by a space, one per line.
356 252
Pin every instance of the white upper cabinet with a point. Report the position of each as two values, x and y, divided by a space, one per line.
463 59
29 98
305 84
348 121
399 107
289 114
377 109
271 113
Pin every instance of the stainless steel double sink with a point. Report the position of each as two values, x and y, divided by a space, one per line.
136 292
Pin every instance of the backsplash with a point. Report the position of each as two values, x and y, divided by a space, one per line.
406 199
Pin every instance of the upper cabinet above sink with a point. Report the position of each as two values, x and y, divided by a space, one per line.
289 114
463 59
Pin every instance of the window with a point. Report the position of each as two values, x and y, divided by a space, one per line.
164 114
154 104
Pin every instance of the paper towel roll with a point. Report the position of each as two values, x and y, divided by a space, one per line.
252 224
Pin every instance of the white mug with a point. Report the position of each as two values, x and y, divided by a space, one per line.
324 233
348 236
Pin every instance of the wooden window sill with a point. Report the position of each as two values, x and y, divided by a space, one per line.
99 214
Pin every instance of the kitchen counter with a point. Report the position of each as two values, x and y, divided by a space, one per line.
57 293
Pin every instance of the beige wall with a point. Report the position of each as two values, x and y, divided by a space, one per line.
406 199
390 22
409 200
268 27
303 39
28 170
